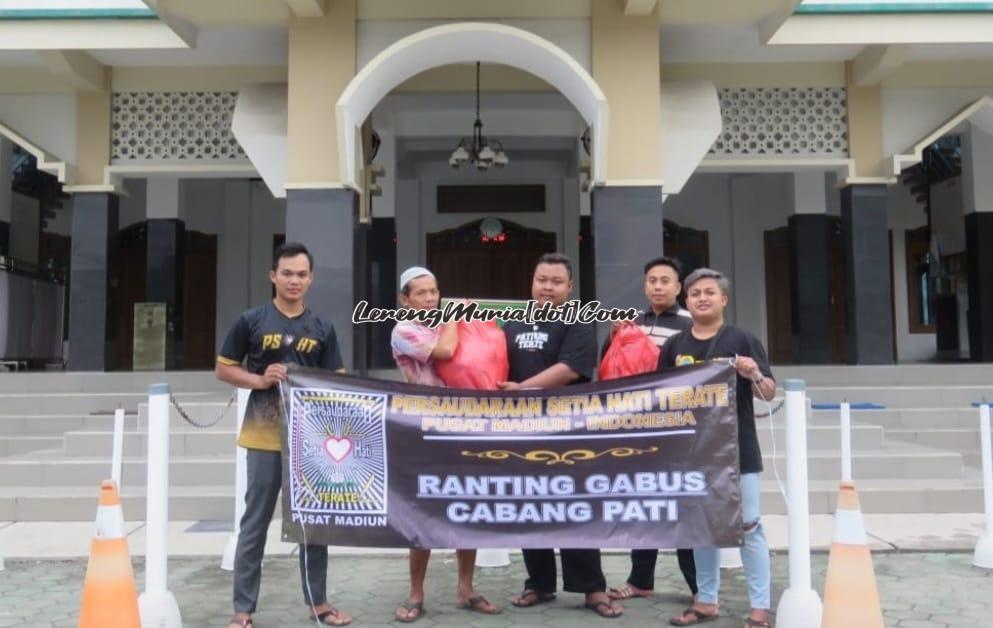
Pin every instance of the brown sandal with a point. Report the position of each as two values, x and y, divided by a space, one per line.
626 592
332 614
696 617
241 623
605 609
539 598
479 604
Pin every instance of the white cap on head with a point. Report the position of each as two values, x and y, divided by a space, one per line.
413 273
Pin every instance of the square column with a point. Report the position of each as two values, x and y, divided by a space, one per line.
870 315
810 283
6 193
91 325
165 263
977 193
627 232
326 222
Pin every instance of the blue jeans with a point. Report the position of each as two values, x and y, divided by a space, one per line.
754 554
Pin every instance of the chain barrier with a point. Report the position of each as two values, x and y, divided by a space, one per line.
202 425
771 411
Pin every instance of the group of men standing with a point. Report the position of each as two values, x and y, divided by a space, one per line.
541 355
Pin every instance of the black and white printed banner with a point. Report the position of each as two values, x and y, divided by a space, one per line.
646 461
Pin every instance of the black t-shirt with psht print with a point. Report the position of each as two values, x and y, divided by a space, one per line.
533 348
263 336
684 349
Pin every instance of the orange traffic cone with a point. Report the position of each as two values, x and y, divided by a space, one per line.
109 594
851 597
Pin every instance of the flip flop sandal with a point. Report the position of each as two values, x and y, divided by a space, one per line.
478 604
332 613
626 592
756 623
539 598
603 609
696 618
410 606
241 623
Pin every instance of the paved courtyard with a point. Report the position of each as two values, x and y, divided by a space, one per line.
918 590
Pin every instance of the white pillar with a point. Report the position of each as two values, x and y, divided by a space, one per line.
800 606
117 453
846 442
157 604
983 556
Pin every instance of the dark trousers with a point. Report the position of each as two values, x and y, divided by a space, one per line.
581 571
265 478
643 568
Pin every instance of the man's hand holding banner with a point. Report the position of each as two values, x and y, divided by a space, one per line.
647 461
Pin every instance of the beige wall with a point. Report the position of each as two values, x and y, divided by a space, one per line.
626 66
92 136
865 128
759 74
321 63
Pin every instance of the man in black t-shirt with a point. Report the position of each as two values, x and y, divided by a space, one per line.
710 338
662 320
546 355
267 338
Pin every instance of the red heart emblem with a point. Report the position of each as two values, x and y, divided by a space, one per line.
338 448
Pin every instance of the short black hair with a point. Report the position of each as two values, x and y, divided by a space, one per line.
291 249
665 261
555 258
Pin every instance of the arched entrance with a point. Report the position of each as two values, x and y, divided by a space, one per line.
464 43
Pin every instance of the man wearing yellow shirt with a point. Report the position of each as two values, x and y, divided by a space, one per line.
255 353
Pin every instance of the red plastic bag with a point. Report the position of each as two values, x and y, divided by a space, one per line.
631 352
480 360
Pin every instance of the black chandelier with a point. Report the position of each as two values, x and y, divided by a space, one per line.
478 149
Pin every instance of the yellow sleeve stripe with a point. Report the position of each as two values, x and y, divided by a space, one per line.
227 361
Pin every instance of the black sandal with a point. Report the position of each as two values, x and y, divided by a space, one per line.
410 606
696 617
539 598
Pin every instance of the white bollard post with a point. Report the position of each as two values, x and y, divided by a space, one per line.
492 558
800 606
240 484
983 556
157 604
118 448
846 442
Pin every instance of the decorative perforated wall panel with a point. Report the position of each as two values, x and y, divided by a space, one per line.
790 121
174 126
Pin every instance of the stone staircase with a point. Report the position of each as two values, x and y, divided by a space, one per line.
920 454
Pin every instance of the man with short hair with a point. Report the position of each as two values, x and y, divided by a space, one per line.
267 338
662 320
547 355
710 338
416 348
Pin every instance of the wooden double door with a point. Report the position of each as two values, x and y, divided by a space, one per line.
779 293
468 266
199 296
